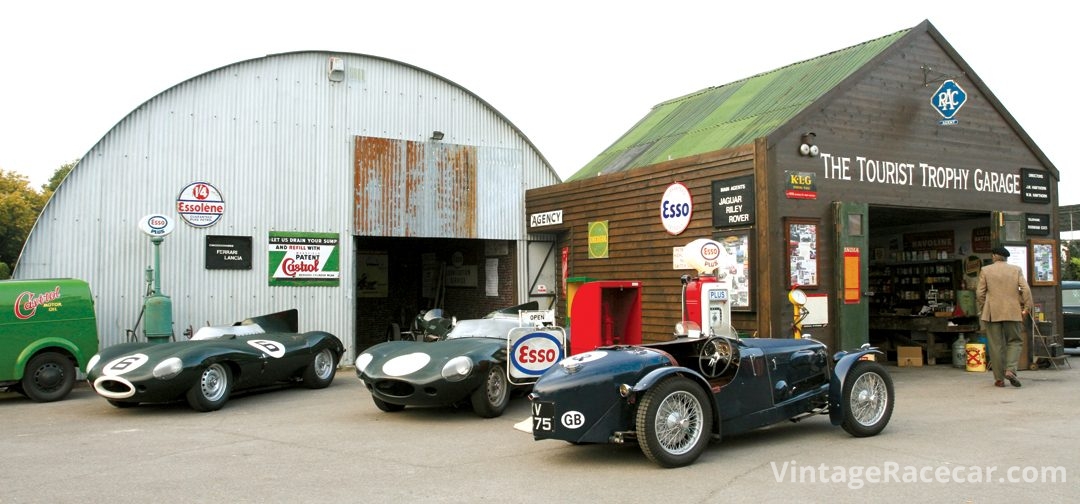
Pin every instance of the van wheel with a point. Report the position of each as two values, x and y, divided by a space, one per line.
49 377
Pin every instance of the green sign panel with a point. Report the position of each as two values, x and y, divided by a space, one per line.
304 259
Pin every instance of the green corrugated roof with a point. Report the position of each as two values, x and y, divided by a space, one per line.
732 114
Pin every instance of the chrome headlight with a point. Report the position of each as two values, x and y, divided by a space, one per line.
362 362
168 368
93 362
457 369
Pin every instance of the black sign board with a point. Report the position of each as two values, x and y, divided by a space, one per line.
1035 186
1037 224
733 201
228 252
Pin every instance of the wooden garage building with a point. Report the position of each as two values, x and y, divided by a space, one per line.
876 178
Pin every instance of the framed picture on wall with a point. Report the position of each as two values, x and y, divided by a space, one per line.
737 244
802 242
1043 266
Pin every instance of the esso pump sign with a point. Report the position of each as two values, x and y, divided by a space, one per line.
676 208
156 225
534 352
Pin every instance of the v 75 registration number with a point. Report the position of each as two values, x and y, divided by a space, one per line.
543 416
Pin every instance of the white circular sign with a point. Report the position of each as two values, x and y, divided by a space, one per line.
676 208
705 255
200 204
156 225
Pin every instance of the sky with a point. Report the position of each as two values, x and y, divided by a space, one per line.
572 76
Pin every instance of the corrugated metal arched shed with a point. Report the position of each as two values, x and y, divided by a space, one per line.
292 147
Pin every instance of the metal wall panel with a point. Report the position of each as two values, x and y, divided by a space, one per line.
276 137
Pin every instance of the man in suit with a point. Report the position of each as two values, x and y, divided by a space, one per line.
1004 299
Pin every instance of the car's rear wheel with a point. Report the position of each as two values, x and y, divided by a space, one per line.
320 372
491 398
868 399
387 407
674 422
212 390
49 377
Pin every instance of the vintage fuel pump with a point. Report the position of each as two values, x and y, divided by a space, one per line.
157 307
798 299
706 298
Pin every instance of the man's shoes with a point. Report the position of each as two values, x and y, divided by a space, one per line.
1012 379
999 383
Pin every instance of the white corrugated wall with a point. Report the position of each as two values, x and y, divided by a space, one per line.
275 136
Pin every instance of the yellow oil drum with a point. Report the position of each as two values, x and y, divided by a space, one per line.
976 357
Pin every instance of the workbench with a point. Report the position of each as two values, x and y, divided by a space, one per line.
927 332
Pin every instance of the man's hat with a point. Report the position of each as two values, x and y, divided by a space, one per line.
1001 251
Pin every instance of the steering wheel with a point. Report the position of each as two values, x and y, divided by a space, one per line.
715 357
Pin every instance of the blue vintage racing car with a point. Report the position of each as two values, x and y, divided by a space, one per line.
672 397
215 363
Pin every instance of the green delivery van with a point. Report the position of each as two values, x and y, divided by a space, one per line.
47 333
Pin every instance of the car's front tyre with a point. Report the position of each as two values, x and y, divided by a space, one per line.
212 390
674 422
49 377
320 372
491 398
868 399
387 407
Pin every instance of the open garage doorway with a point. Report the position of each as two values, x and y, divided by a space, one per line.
400 278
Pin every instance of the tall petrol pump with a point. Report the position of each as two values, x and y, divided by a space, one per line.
706 297
157 307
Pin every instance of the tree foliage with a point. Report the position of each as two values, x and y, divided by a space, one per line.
20 205
1071 261
58 176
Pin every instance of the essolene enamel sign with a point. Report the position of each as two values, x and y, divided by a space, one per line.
676 208
200 204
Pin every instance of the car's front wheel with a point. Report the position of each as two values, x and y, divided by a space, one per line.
491 398
868 399
674 422
320 372
387 407
49 377
212 390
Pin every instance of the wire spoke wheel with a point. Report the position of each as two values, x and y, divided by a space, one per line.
868 399
674 422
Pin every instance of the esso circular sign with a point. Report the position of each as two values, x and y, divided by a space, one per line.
676 207
200 204
156 225
534 353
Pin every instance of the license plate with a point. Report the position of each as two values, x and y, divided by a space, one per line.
543 416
